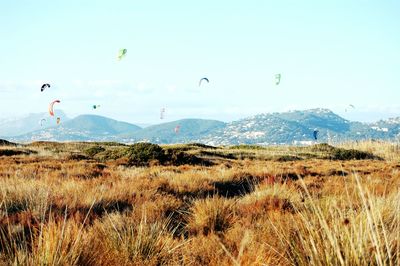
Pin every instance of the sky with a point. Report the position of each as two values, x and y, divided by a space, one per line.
330 54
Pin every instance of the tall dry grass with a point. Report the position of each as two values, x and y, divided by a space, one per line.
326 234
388 150
263 208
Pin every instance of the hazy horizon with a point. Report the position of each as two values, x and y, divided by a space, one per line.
144 124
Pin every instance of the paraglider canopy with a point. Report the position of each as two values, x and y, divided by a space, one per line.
122 53
201 80
44 86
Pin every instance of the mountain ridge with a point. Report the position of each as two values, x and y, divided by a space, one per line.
292 127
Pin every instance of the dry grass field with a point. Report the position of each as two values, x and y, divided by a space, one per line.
112 204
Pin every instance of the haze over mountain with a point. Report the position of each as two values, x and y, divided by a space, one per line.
82 128
31 122
190 130
294 127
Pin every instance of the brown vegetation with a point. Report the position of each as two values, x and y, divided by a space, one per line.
112 204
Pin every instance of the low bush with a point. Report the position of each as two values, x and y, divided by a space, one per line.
92 151
218 154
8 152
247 147
77 157
343 154
286 158
180 158
113 154
4 142
335 153
141 154
145 154
323 147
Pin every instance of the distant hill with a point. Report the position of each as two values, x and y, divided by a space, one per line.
82 128
294 127
190 130
99 125
390 127
29 123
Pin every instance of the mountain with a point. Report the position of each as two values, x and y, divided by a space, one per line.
279 128
29 123
294 127
99 125
389 127
190 130
82 128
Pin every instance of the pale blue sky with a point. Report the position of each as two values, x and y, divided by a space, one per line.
330 54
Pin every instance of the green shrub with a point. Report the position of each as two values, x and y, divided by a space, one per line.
77 157
201 145
180 158
114 154
323 147
287 158
8 152
141 154
92 151
334 153
4 142
247 147
343 154
218 154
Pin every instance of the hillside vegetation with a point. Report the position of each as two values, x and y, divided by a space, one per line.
107 203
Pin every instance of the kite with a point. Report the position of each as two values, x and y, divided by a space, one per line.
201 80
122 53
277 79
42 121
51 111
350 105
162 111
44 86
177 128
